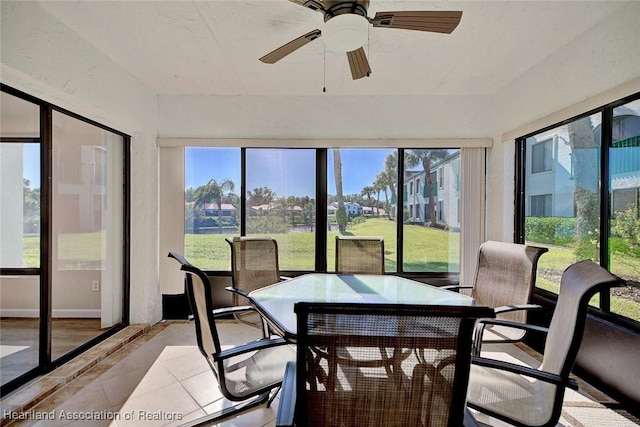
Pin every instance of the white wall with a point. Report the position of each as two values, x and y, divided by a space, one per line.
43 58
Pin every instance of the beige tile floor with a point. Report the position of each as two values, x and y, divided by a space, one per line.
161 379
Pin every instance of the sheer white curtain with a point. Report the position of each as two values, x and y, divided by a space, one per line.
472 219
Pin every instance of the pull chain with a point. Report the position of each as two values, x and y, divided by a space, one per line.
369 48
324 69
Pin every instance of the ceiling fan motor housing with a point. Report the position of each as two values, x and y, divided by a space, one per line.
346 27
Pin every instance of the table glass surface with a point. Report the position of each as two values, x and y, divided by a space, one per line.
276 302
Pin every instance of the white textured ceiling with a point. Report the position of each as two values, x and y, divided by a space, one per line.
212 47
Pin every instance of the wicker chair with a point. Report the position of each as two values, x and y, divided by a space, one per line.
505 278
359 255
250 373
525 396
423 384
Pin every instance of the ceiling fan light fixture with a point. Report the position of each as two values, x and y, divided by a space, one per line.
345 33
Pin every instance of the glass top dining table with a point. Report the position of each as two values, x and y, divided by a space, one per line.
275 303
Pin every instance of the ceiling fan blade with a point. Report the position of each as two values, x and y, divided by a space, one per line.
359 64
312 4
292 46
437 21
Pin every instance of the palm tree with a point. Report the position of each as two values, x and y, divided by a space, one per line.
368 191
427 158
213 192
341 213
391 177
379 184
260 196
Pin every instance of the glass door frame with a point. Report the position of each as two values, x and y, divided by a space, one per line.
45 362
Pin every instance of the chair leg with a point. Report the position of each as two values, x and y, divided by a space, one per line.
231 411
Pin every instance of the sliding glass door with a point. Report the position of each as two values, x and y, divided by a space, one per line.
63 236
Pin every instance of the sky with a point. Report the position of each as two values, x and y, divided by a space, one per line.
288 172
31 164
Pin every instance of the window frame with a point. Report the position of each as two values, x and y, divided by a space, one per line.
46 362
321 182
520 211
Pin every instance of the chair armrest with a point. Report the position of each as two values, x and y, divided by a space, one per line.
283 278
516 307
236 291
522 370
523 326
249 347
287 406
456 288
225 311
478 334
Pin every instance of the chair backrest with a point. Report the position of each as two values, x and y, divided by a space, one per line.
254 262
198 289
579 282
506 275
422 380
359 255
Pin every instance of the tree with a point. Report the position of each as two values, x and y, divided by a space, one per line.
368 191
213 192
31 202
341 213
391 178
260 196
427 158
585 173
380 184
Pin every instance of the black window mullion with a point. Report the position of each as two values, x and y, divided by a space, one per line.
46 208
400 213
243 191
520 158
126 230
605 203
321 209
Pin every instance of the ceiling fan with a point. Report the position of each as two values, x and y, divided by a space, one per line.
346 29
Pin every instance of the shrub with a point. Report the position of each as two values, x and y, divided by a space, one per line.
626 226
267 224
551 230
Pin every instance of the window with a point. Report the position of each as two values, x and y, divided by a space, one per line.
574 227
365 178
441 177
541 156
624 184
432 243
305 197
211 205
281 202
541 205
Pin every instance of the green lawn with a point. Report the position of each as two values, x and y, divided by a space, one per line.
552 264
425 249
73 249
